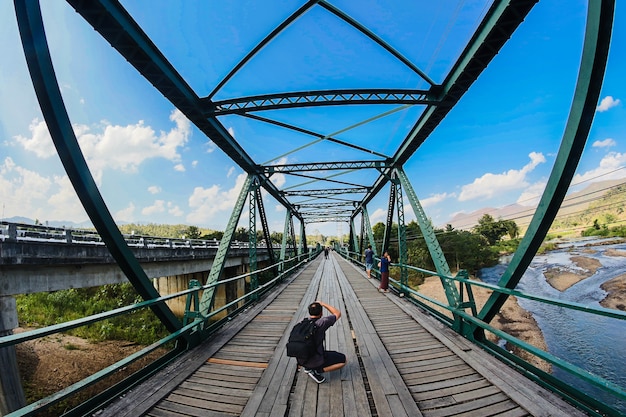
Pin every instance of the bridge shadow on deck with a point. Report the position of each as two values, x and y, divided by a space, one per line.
400 363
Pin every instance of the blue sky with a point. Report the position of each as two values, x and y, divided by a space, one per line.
495 148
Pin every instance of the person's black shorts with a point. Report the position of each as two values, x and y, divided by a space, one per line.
331 357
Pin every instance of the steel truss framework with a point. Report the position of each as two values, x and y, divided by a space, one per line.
122 31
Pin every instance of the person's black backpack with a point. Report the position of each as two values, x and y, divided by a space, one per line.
301 344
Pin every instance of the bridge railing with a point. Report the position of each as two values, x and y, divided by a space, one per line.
469 325
196 326
40 233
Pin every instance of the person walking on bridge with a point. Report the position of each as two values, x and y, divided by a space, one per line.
323 360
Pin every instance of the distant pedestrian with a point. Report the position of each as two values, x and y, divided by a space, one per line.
369 260
326 252
384 272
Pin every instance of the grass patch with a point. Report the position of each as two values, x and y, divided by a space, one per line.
46 309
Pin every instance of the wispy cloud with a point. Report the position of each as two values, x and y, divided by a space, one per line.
102 148
610 168
606 103
490 185
606 143
206 203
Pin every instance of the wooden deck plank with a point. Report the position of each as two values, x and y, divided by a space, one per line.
413 364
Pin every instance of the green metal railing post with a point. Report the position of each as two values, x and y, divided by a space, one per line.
192 298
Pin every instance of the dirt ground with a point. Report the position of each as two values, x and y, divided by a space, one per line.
52 363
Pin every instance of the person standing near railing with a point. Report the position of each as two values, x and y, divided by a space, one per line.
369 260
384 272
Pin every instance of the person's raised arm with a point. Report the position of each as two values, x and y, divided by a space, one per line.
332 310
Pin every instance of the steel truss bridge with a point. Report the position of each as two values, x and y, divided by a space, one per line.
332 190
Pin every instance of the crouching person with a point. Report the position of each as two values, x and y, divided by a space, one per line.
323 360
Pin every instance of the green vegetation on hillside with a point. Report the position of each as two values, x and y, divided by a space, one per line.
603 217
46 309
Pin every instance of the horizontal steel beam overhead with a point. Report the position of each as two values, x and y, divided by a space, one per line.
330 191
325 205
113 23
326 219
316 98
324 166
325 213
496 28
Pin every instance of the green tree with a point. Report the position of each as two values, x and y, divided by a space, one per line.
492 230
192 232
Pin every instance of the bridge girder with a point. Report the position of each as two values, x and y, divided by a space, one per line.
287 100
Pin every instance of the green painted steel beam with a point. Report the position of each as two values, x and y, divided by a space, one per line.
499 23
287 100
314 134
46 86
282 26
589 84
347 18
389 222
402 246
116 26
283 246
324 166
219 261
368 229
252 240
325 192
436 253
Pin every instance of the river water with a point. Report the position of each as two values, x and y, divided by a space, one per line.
594 343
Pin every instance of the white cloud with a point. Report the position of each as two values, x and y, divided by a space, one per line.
64 203
230 172
125 214
154 189
607 103
531 195
29 194
490 184
40 141
279 179
194 163
435 199
157 207
606 143
379 215
179 168
610 168
206 203
174 210
116 147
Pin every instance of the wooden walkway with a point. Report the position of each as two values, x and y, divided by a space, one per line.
400 363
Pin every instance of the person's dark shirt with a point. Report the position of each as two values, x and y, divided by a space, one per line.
369 256
384 264
323 323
